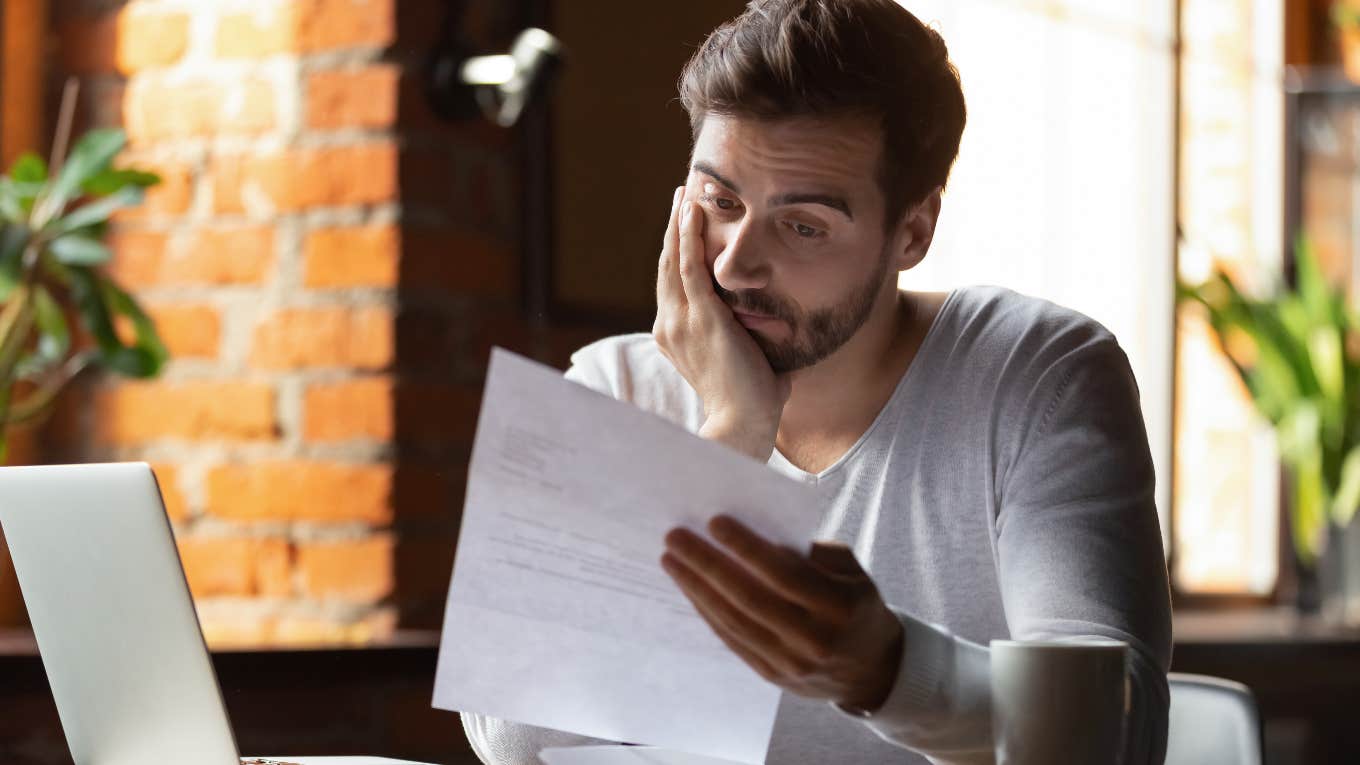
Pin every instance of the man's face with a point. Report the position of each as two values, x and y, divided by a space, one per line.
794 229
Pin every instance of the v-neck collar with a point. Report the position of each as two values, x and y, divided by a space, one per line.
780 462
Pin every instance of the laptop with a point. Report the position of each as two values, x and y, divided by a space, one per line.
106 594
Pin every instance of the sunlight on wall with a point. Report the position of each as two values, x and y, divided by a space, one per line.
1063 188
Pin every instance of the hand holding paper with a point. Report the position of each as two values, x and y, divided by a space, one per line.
559 614
815 626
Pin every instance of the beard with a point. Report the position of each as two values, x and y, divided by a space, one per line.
815 334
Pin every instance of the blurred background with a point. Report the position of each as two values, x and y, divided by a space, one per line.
341 233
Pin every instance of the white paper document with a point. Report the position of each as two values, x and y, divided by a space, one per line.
623 755
559 613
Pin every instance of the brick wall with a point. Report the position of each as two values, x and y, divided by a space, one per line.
328 265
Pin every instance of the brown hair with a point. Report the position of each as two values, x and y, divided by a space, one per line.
831 58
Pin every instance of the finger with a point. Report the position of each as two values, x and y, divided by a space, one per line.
698 283
752 659
736 587
782 569
837 559
754 644
669 290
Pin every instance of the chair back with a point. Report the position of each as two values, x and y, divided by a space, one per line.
1213 722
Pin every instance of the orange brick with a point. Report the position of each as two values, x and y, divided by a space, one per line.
359 338
224 256
137 257
150 39
256 34
273 568
349 410
330 24
292 180
355 256
137 412
208 256
167 477
127 41
306 26
362 98
157 110
359 571
235 565
302 491
188 331
172 196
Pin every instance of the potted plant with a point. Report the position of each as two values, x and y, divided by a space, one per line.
51 258
1298 353
1346 20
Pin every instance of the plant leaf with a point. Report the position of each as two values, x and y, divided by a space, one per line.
54 336
98 301
1347 499
16 199
1309 516
91 156
11 204
111 181
94 213
16 322
79 250
13 239
28 168
148 353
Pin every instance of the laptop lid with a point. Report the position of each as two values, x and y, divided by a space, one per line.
110 608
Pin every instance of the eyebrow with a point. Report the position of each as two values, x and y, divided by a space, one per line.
780 200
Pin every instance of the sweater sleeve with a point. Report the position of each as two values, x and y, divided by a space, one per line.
1079 554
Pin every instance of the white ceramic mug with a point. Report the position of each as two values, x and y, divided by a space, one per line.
1058 702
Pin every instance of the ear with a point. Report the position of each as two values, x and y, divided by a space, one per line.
915 232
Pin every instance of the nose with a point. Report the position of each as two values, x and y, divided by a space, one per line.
737 260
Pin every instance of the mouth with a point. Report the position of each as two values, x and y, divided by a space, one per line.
754 320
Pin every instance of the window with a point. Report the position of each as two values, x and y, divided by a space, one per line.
1064 184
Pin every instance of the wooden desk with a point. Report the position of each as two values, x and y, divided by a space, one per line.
345 699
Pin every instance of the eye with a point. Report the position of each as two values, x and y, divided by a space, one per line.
805 231
724 204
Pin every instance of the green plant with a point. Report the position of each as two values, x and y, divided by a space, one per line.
51 253
1345 15
1298 352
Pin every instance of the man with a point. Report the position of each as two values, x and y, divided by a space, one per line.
981 454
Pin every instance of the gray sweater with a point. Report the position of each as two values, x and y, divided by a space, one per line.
1004 491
